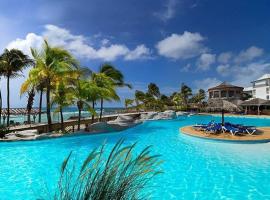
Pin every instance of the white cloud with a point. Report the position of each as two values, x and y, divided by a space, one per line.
79 45
243 75
205 61
140 51
206 83
223 70
169 11
248 54
183 46
31 40
224 57
105 42
186 68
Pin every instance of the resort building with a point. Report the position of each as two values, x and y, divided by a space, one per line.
260 88
226 91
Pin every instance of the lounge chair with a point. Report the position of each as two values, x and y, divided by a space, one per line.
202 126
229 128
215 128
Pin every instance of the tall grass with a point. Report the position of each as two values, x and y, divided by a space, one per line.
119 175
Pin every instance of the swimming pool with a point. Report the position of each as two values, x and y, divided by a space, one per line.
194 168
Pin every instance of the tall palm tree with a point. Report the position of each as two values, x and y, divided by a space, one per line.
107 89
51 64
28 88
128 102
62 97
13 62
117 78
153 90
186 92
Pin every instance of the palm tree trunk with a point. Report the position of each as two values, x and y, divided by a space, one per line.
30 102
62 119
0 107
40 105
101 109
79 119
8 105
48 108
93 116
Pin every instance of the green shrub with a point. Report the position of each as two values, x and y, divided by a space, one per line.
118 176
3 131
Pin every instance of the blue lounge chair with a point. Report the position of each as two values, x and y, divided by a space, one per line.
215 128
202 126
229 128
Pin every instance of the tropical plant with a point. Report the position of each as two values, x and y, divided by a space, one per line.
186 92
139 97
118 175
52 63
178 100
62 97
12 63
153 90
128 102
1 102
28 87
107 89
80 96
117 78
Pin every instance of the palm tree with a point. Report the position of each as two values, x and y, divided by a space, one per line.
178 100
186 93
28 88
116 76
62 96
139 97
1 102
128 102
153 90
52 63
13 62
107 89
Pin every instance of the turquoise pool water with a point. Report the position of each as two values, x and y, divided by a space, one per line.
194 168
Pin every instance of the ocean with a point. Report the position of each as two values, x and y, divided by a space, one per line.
67 113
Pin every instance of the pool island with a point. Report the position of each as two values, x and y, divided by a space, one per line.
262 135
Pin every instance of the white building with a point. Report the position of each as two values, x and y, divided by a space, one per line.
260 88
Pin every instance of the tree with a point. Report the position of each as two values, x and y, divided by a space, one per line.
13 62
128 102
80 96
107 89
62 97
1 101
139 97
28 88
178 100
153 90
186 92
51 64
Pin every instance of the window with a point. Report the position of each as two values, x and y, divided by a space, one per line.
211 95
267 97
231 93
223 93
216 94
267 90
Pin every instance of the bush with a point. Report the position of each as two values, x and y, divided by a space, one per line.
119 175
3 131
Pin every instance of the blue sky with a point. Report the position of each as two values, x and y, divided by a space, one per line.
199 42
